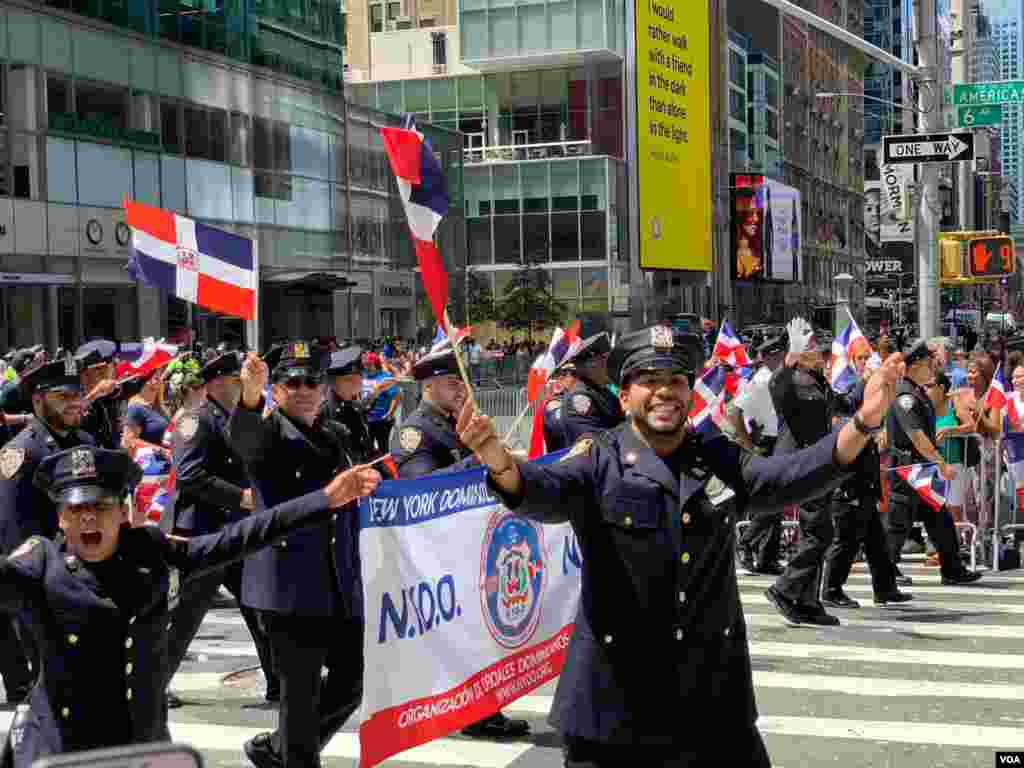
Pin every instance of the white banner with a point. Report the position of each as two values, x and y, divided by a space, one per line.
468 607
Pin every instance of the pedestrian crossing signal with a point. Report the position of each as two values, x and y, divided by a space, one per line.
991 257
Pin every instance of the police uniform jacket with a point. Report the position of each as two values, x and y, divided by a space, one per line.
587 409
315 571
24 509
210 477
354 420
427 443
911 410
102 628
866 484
803 401
554 433
659 650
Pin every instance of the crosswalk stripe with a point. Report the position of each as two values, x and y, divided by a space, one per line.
937 629
830 652
756 597
958 592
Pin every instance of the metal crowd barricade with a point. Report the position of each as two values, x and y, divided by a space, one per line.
504 406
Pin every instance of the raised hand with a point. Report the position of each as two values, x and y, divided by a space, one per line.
352 484
880 390
255 374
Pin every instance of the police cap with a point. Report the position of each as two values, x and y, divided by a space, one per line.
297 359
656 348
344 362
598 344
440 363
96 352
58 375
273 356
774 346
916 352
83 474
227 364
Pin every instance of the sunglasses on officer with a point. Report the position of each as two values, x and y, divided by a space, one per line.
310 382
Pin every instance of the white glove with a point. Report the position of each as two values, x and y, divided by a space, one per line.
801 336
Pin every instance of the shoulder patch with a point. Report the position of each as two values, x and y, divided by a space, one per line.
581 404
553 405
187 427
906 402
410 438
11 460
26 546
581 448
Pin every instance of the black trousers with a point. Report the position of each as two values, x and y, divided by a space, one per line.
739 747
313 708
763 536
801 581
196 598
859 523
16 657
905 506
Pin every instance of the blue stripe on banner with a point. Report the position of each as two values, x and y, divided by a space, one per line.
225 246
398 503
157 273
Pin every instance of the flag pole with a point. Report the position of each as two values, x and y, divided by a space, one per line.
462 365
516 423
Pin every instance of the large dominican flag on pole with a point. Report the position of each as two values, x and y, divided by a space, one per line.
200 264
421 184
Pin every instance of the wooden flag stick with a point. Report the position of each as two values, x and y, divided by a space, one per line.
461 364
515 424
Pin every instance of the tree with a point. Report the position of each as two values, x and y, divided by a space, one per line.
529 305
479 300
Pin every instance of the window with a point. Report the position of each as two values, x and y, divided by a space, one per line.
394 11
263 143
240 152
376 18
103 104
171 136
218 135
440 48
58 94
197 132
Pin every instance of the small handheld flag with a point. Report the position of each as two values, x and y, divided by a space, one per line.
998 391
729 349
927 480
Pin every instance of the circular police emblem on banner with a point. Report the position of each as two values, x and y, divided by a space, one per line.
512 578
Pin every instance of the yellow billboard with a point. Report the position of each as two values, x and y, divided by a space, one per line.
673 133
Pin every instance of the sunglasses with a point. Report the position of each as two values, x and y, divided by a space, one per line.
310 382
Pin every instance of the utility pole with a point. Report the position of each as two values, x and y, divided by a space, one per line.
930 101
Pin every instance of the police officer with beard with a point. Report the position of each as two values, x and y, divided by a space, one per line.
101 393
803 401
344 371
589 406
55 393
658 669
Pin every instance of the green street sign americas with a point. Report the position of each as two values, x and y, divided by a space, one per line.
977 117
981 94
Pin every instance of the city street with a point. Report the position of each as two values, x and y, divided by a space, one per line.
936 682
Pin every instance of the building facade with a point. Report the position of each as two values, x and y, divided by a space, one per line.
234 117
1007 27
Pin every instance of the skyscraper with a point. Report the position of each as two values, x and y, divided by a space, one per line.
1007 23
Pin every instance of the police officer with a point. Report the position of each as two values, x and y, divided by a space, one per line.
427 443
344 371
100 601
803 401
858 522
660 628
589 406
308 585
15 410
211 490
756 428
101 393
563 378
911 429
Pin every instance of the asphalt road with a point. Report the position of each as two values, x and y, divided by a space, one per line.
935 683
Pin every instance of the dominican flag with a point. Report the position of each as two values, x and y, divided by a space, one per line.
707 401
442 339
136 358
998 391
425 197
844 347
561 343
156 469
927 480
206 266
736 378
729 349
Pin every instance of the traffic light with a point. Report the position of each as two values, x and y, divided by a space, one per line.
991 256
951 259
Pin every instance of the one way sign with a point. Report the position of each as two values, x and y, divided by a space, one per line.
928 148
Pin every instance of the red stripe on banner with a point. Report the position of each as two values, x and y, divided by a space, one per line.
435 279
416 722
404 151
154 221
224 297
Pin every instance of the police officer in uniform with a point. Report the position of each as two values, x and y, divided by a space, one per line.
660 629
758 547
308 585
211 490
344 371
589 406
427 443
100 600
911 430
563 378
803 400
101 393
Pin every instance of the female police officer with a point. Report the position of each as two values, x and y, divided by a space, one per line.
99 601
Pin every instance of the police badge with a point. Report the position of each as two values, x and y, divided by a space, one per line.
906 402
661 338
82 463
581 404
11 460
187 427
410 438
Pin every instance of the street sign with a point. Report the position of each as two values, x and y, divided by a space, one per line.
981 94
928 148
977 117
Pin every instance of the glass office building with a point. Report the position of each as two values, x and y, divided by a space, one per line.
96 110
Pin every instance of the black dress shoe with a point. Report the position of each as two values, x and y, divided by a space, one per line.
273 691
836 598
789 610
901 580
496 726
964 577
745 560
173 702
769 569
815 614
260 751
893 597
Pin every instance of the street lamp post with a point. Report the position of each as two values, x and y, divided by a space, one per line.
843 282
